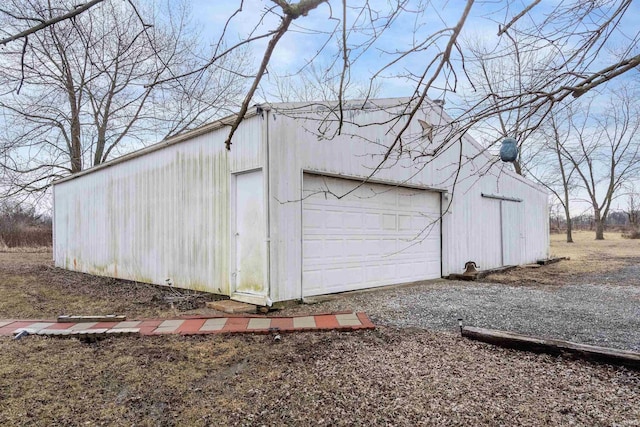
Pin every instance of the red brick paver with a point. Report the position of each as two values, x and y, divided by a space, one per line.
236 324
282 323
328 321
343 321
8 329
104 325
191 326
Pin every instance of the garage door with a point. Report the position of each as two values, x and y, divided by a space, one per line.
374 236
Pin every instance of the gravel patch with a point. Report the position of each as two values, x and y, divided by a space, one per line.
625 276
605 315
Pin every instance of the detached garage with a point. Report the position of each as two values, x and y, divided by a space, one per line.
295 209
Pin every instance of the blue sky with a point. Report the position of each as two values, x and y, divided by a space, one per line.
303 41
307 36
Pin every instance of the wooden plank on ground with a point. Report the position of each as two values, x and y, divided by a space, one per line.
556 347
552 260
481 274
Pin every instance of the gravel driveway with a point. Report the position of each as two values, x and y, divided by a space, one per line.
593 311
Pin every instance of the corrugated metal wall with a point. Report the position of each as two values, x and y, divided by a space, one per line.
161 216
470 228
166 214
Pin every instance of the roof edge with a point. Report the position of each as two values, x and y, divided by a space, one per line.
227 121
207 128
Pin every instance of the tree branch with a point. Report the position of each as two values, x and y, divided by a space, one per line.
44 24
292 11
504 29
605 75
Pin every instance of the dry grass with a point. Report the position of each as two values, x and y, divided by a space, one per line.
586 254
586 247
389 376
26 249
30 287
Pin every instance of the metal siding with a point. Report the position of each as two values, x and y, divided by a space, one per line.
162 217
513 239
473 230
488 235
295 147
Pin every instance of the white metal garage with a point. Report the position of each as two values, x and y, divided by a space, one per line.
375 235
290 211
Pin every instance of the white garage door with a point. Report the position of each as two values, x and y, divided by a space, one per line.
377 235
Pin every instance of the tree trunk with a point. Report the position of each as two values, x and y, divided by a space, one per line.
569 229
76 147
565 185
517 167
100 143
599 224
567 213
76 143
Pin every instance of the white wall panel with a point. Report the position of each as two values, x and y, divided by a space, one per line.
513 233
162 217
166 214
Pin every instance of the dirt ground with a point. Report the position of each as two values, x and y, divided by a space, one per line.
383 377
390 376
30 287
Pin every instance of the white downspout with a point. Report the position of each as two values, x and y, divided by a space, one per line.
268 299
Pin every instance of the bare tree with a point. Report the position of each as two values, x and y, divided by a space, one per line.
604 149
63 15
555 217
494 76
430 58
540 137
633 207
556 140
550 167
317 82
75 95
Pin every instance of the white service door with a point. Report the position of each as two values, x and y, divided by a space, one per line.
513 229
377 235
250 234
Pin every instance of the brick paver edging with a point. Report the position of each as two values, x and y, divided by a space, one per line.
192 325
